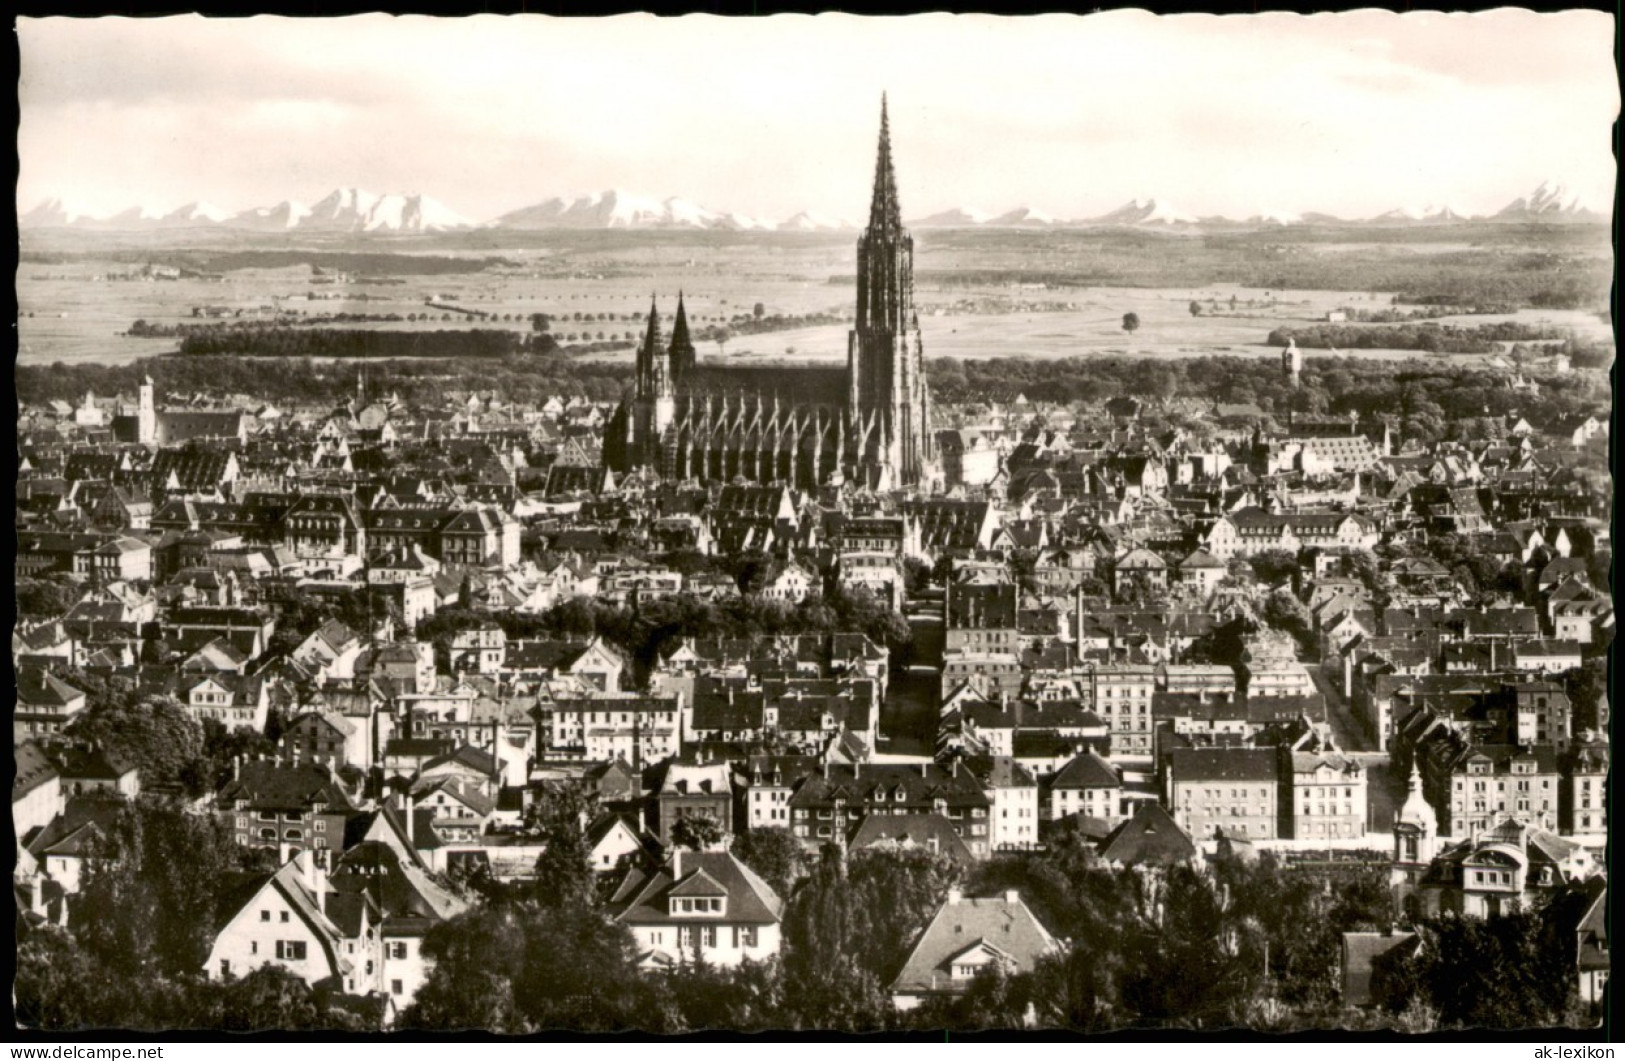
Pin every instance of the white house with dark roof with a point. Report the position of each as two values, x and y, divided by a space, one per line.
410 903
293 919
1087 785
704 903
44 704
965 938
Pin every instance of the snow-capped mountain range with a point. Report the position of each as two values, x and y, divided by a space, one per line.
617 209
352 210
1550 201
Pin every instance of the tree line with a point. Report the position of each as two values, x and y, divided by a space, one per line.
1429 337
1436 398
281 341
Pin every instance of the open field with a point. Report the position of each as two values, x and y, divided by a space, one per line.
979 293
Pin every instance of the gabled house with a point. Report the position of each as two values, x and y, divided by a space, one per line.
704 905
1593 961
294 920
1087 785
911 832
71 841
1151 837
966 938
44 704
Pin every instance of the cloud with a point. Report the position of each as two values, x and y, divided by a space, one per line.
773 115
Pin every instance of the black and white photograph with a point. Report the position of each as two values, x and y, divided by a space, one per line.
1084 525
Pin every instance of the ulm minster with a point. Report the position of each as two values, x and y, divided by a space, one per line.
869 425
419 630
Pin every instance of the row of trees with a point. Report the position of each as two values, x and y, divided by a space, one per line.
274 340
1433 338
1431 397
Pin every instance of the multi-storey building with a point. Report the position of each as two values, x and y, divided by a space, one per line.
638 729
1123 701
1015 811
826 806
1328 797
1234 789
1582 803
1087 785
284 807
770 780
1543 714
693 790
1492 782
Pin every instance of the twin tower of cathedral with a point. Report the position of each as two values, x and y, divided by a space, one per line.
868 424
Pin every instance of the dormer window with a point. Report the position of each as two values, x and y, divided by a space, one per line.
698 906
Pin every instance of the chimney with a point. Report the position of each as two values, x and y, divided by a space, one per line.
954 895
318 876
1012 896
411 819
923 769
677 863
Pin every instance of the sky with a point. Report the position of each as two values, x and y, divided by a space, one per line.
1349 114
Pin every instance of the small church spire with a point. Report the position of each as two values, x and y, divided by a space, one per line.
650 351
884 212
681 351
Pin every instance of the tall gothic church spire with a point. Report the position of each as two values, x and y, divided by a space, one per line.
885 215
885 366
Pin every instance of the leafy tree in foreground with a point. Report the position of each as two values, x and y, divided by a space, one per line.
697 832
776 855
151 899
153 733
564 873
